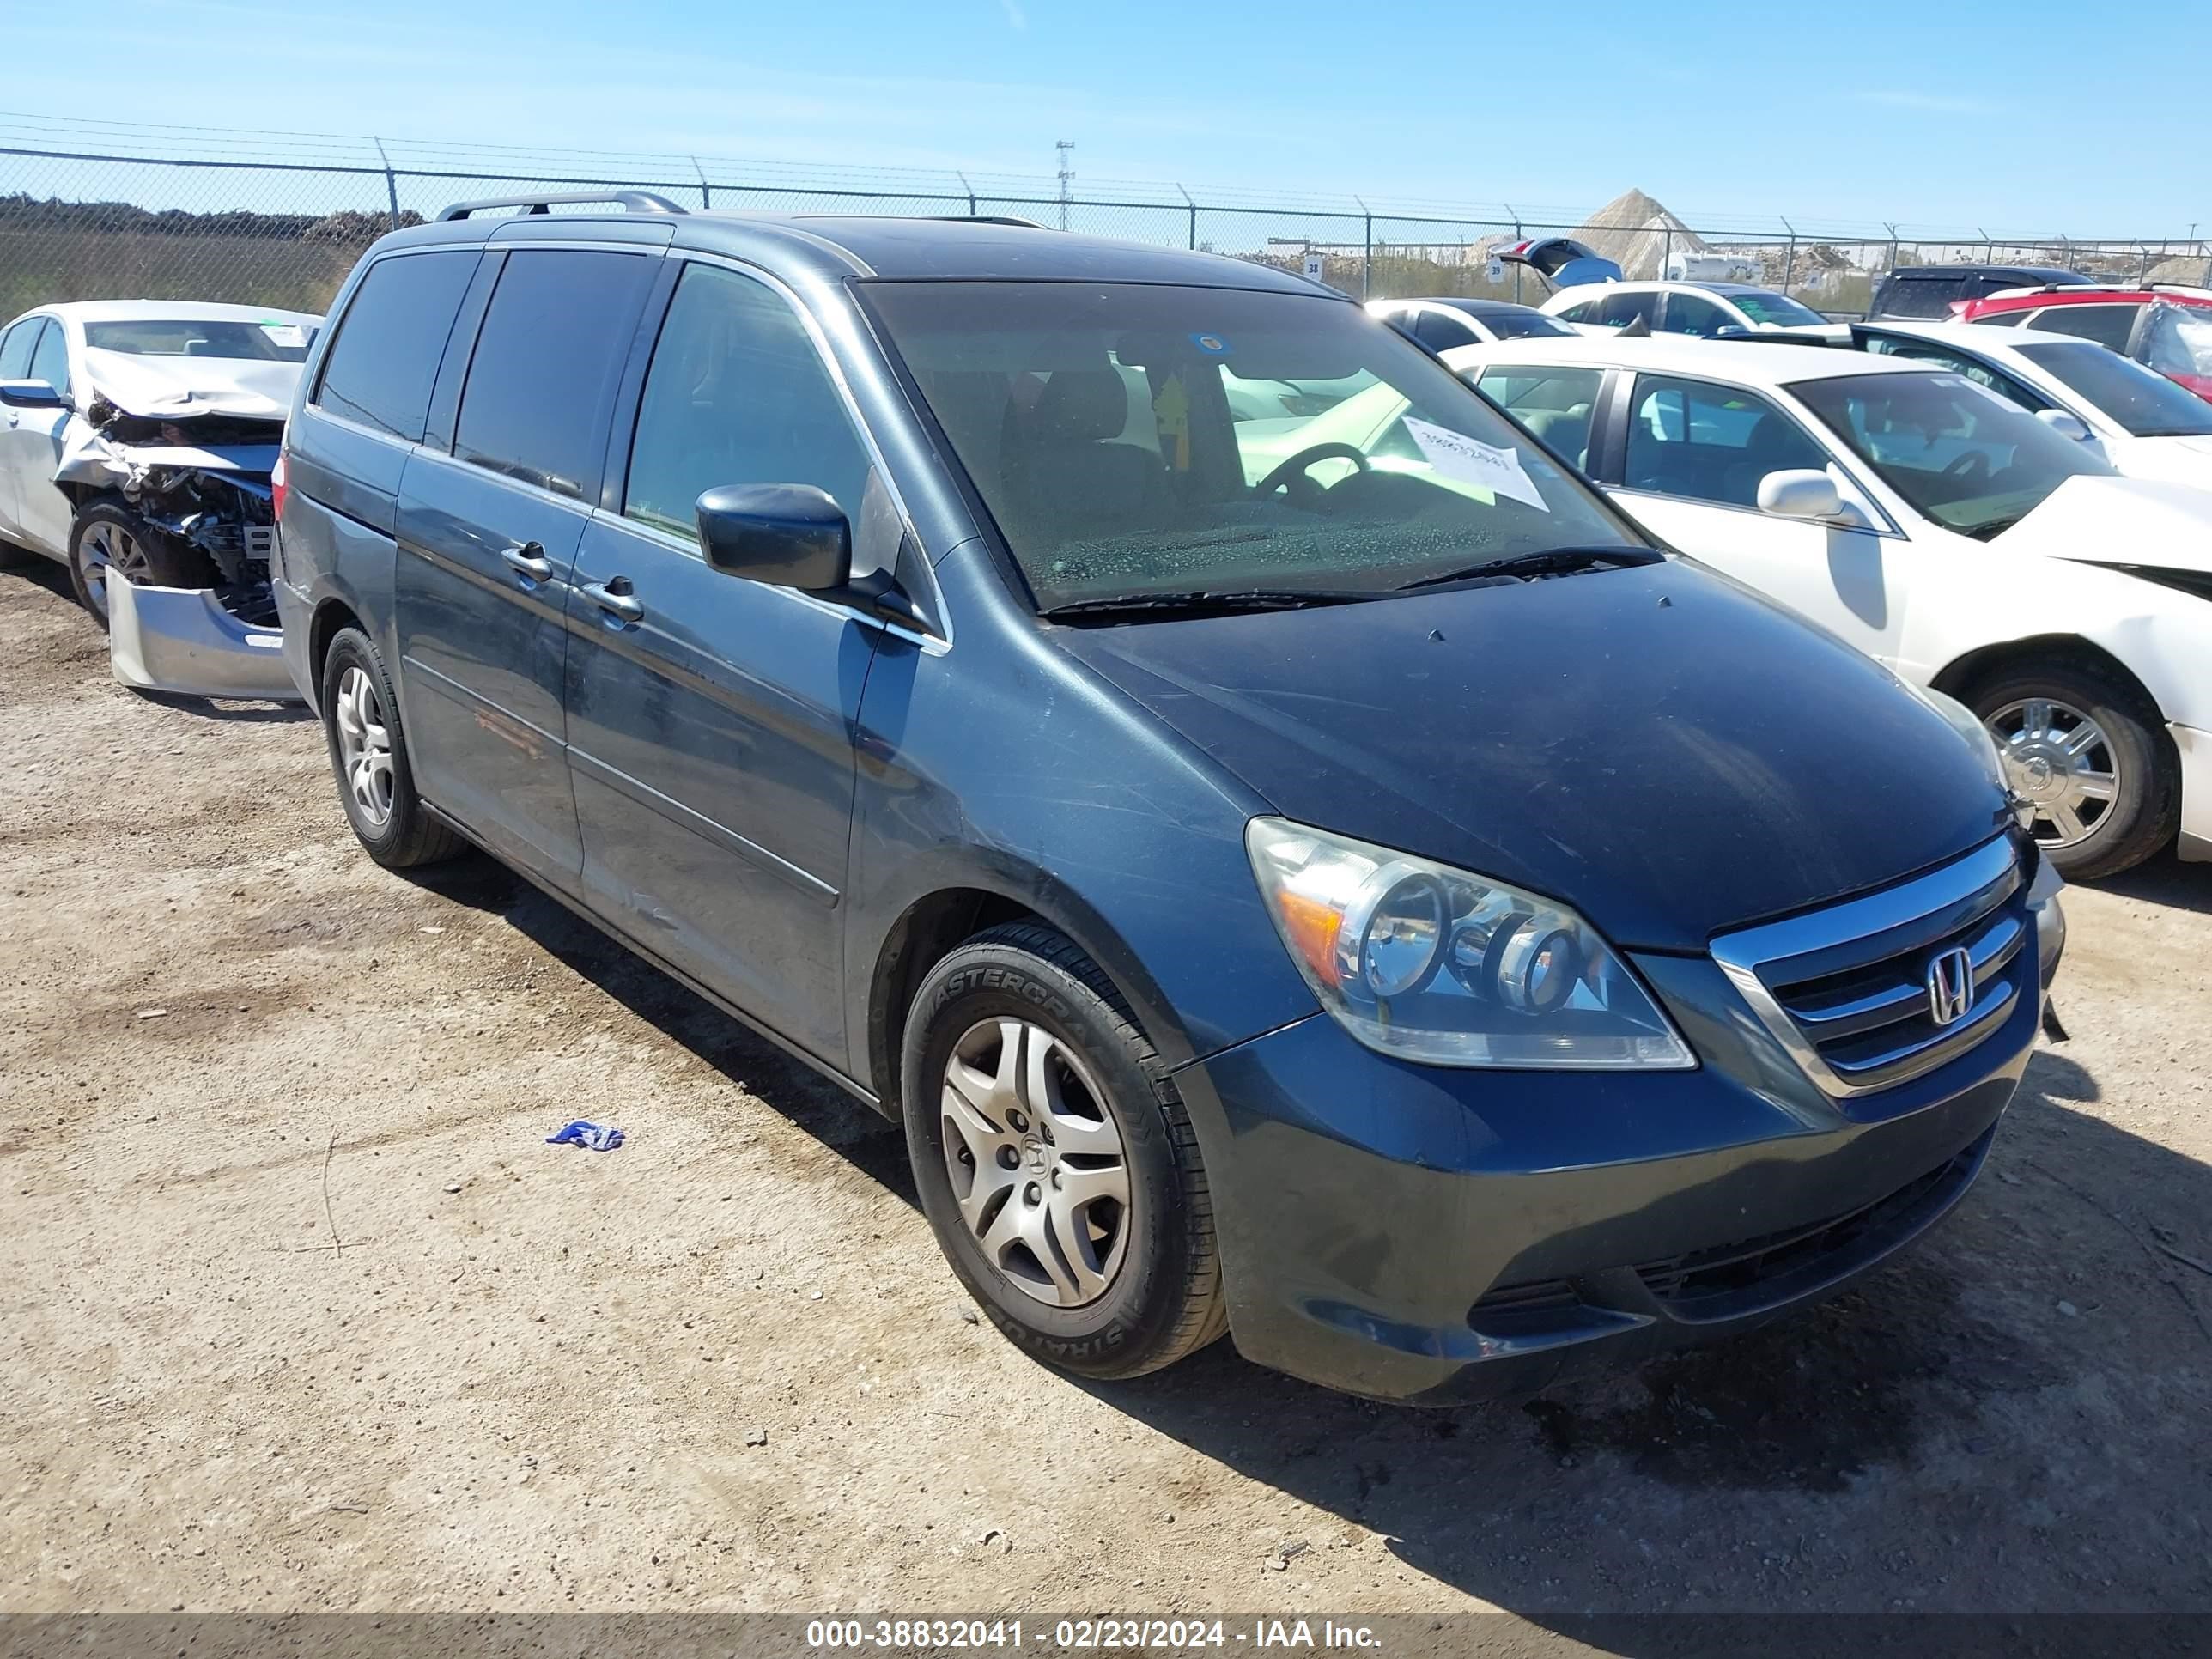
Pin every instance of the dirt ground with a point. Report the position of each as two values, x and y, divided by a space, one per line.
532 1377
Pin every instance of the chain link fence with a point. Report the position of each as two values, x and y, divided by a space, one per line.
109 211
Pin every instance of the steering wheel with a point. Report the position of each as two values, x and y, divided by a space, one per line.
1974 464
1291 475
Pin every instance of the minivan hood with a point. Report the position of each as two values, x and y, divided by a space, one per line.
1657 746
2133 522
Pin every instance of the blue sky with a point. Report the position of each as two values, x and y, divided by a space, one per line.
1876 111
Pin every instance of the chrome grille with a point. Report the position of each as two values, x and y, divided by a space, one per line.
1847 991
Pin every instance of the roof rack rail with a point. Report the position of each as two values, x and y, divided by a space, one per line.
631 201
987 219
2057 288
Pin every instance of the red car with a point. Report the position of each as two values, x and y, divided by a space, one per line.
2165 325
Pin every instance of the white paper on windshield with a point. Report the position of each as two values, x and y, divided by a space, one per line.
285 335
1471 461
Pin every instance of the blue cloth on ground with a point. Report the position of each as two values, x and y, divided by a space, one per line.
590 1136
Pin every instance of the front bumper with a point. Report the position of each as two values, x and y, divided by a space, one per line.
180 640
1431 1236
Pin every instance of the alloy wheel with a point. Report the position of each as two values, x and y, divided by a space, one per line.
2060 761
1036 1164
364 745
109 548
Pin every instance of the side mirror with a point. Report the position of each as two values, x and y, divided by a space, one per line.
32 394
1799 492
785 535
2065 425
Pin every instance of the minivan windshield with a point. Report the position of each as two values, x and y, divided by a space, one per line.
1137 439
2146 404
1964 456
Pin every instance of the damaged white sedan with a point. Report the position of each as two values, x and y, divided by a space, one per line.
136 443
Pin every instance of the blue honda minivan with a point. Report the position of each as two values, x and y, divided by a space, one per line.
1362 898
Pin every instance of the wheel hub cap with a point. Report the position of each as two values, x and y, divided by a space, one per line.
364 746
1036 1164
2062 762
109 548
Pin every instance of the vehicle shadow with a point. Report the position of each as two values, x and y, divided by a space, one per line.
2009 1416
810 1101
1949 1435
237 711
2166 880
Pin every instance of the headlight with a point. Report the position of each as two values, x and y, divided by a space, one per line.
1968 724
1434 964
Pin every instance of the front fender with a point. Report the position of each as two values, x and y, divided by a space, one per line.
1003 766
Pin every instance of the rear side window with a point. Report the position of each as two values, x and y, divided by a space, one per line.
547 359
1710 443
1981 374
381 366
1440 331
2108 326
1692 313
1621 309
738 395
1555 403
1917 297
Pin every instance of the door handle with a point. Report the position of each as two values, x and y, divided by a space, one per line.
616 604
528 559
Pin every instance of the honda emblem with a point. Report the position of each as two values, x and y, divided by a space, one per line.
1950 986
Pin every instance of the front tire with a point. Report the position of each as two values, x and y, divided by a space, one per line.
369 754
2093 756
1056 1164
108 541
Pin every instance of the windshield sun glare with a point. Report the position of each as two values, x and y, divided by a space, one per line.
1133 440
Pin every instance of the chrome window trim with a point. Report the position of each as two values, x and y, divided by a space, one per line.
1982 880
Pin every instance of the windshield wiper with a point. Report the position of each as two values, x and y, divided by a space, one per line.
1548 562
1207 600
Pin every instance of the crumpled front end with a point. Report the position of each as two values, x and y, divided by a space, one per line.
200 482
194 467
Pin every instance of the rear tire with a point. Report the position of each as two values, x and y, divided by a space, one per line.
107 540
2093 753
1114 1288
369 755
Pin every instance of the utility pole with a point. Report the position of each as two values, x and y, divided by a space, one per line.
1066 148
